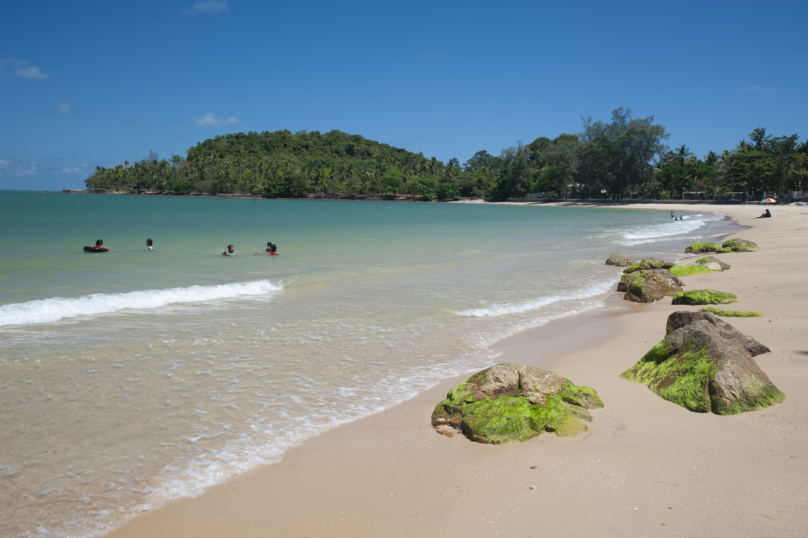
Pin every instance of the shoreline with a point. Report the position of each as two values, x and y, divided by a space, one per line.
391 474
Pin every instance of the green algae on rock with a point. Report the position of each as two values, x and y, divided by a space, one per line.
688 270
699 297
713 259
512 402
705 364
739 245
649 286
647 265
731 313
619 260
700 248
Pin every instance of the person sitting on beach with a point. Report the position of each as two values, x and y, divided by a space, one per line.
149 244
231 250
100 244
765 215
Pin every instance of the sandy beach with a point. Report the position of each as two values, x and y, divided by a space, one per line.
646 467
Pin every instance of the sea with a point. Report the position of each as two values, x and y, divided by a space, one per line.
133 377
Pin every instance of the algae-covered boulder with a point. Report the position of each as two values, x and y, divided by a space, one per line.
689 270
712 266
713 259
700 248
619 260
705 364
649 286
513 402
731 313
647 265
739 245
697 297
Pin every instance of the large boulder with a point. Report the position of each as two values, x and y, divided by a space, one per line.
739 245
700 297
649 286
647 265
513 402
712 259
690 270
619 260
705 364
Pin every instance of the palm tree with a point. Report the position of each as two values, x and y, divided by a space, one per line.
681 153
743 146
711 158
758 136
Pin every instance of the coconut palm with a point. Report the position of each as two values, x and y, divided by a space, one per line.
759 137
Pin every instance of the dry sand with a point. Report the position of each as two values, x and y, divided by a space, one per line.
646 467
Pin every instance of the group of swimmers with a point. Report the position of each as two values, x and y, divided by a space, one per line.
680 217
272 248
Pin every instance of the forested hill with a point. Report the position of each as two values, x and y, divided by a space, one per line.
302 147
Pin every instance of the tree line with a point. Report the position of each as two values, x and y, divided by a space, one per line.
624 157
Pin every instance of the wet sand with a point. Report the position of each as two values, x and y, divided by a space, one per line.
646 467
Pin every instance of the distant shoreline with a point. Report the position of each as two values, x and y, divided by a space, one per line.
410 198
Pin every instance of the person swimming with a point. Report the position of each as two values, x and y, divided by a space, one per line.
231 250
149 244
272 249
100 244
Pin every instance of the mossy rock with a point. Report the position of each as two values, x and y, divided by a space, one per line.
704 364
731 313
698 297
649 286
712 259
700 248
619 260
688 270
513 402
739 245
648 264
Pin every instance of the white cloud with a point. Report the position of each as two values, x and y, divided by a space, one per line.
64 108
210 119
759 89
20 68
72 170
17 168
207 6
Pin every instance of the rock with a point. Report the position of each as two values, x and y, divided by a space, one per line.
688 270
705 364
513 402
619 260
649 286
713 259
731 313
697 297
739 245
712 266
698 248
648 264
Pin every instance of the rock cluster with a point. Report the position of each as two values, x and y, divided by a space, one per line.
712 259
700 297
705 364
649 286
513 402
648 264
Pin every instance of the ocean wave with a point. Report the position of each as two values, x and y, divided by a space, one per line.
660 232
504 309
57 308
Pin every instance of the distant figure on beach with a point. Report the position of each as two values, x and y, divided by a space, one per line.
765 215
230 251
100 245
149 244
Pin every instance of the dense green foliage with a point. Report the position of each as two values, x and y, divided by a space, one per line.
625 157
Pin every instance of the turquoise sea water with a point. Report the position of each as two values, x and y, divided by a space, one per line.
133 377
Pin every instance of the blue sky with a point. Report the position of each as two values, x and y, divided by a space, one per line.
96 83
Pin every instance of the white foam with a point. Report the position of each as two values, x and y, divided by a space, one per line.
503 309
659 232
57 308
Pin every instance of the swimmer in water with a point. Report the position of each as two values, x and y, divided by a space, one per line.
231 250
272 249
149 244
100 244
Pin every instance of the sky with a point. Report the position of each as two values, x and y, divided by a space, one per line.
86 84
